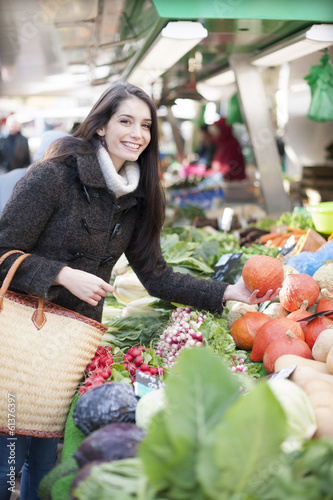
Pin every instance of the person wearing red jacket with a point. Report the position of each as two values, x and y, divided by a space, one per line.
228 158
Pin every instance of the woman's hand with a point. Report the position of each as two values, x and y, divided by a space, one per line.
239 292
85 286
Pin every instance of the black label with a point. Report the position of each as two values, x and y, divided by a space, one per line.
288 246
145 383
225 265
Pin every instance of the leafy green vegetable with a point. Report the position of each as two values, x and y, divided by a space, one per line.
265 224
170 451
245 445
211 443
117 480
62 470
301 219
217 337
303 475
134 330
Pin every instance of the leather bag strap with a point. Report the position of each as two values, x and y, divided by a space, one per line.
7 254
38 317
10 275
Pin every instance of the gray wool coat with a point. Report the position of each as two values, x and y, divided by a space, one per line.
64 215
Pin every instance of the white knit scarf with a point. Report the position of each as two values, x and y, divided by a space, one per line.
122 182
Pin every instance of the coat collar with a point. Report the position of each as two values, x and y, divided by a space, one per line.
89 171
90 174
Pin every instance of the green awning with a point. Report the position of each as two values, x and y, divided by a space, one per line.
300 10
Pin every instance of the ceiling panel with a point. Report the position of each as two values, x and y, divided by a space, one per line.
40 39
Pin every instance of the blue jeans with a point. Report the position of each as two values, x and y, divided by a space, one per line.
34 456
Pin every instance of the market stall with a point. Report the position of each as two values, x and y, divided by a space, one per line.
179 403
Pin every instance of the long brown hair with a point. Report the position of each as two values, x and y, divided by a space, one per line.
85 140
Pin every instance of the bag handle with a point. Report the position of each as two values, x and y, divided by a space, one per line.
38 317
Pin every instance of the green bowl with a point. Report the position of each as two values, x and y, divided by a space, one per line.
322 216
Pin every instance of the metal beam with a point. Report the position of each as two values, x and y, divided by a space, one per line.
253 102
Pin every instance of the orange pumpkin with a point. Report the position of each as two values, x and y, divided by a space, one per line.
299 314
244 329
273 330
288 344
324 305
299 291
263 273
314 328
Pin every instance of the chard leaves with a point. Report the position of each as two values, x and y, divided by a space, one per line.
210 442
199 389
245 445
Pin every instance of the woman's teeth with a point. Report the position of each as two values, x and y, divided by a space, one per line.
131 145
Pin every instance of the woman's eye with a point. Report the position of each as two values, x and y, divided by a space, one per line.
146 125
125 121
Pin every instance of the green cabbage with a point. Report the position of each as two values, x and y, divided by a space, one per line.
301 422
150 404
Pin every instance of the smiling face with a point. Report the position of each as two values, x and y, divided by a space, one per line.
127 133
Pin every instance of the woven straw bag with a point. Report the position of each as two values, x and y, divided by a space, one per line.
44 349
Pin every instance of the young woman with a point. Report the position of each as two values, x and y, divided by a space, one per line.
93 196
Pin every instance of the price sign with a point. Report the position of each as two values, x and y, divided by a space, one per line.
224 224
264 305
225 265
145 383
288 246
284 373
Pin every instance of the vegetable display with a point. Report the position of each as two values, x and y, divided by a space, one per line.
216 430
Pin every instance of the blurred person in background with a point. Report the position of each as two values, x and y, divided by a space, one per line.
228 158
14 148
207 147
9 179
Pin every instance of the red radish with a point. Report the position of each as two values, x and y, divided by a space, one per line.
314 328
89 381
289 344
96 372
263 273
106 372
93 365
106 360
83 390
272 330
144 367
160 370
138 360
134 351
132 368
98 380
324 305
299 291
299 314
100 351
128 358
107 348
153 370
